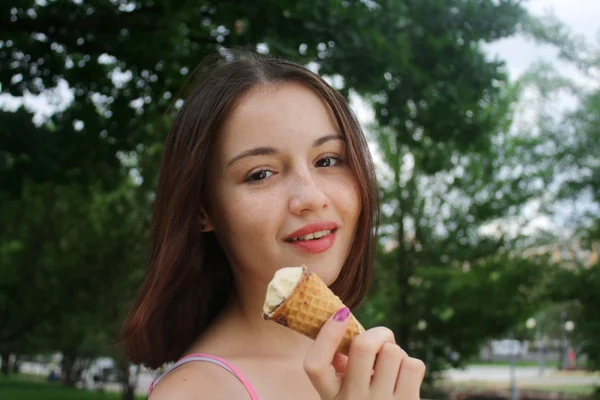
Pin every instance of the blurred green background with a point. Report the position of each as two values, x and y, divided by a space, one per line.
490 179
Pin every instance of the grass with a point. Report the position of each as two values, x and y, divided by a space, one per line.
547 364
585 390
581 390
30 387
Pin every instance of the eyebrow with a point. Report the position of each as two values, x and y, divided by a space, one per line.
269 151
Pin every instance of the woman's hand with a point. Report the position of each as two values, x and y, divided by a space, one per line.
376 368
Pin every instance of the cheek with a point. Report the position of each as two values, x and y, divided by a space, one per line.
348 199
246 216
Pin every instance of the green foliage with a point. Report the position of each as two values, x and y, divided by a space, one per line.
25 388
66 251
572 141
456 309
390 47
581 288
73 219
453 201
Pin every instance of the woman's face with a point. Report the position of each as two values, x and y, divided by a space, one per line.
281 192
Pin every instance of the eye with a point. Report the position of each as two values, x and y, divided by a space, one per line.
259 176
330 160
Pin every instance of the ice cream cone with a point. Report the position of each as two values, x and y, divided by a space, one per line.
308 306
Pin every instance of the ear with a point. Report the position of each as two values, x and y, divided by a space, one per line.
205 223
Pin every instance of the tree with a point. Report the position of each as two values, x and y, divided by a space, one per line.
572 141
575 133
457 175
71 294
434 94
60 239
580 289
126 62
455 279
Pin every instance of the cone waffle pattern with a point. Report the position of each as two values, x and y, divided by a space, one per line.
309 306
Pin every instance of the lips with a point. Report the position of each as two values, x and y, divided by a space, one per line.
315 246
312 228
313 238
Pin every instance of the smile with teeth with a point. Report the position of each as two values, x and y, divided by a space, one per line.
311 236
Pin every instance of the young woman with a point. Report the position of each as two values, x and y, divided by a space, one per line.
265 167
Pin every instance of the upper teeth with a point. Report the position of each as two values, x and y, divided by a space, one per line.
314 235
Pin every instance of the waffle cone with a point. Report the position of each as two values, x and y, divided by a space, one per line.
309 306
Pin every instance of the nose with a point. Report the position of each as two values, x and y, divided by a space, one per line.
306 194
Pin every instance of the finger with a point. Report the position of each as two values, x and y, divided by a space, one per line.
340 363
318 363
361 358
387 367
412 371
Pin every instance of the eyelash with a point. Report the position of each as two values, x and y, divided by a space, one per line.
335 157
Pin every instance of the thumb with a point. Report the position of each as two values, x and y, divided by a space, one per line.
319 360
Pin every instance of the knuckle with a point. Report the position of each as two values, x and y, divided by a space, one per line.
415 365
393 350
373 340
384 332
312 367
364 344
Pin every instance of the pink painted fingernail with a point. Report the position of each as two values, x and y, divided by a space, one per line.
342 314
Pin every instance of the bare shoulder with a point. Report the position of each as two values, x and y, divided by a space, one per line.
199 380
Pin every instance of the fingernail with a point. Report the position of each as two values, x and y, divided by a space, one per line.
342 314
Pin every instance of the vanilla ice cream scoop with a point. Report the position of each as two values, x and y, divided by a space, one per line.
281 287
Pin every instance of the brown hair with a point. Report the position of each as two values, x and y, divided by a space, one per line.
188 279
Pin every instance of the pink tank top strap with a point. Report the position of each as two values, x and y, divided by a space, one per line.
215 360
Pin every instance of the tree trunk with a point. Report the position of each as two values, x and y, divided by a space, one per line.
129 381
80 366
402 331
68 362
5 364
16 367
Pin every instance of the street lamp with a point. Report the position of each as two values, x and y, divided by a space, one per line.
565 327
530 323
422 325
569 326
513 378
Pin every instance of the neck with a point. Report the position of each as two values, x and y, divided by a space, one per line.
241 323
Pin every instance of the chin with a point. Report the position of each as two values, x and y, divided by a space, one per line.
326 273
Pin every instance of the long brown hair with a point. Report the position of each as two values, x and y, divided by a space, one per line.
188 279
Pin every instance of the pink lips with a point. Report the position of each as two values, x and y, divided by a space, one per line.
315 245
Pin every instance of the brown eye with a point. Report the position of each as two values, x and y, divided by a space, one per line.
329 161
259 176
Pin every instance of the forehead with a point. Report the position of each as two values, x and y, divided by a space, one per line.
276 115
